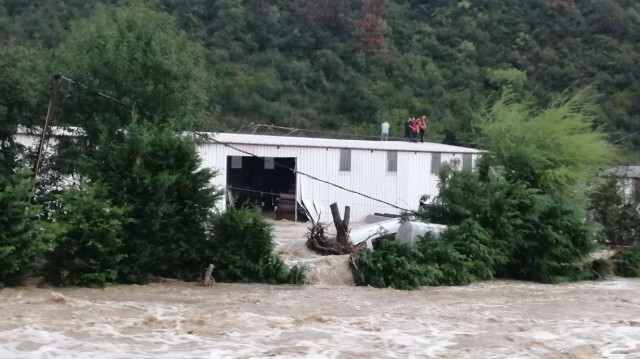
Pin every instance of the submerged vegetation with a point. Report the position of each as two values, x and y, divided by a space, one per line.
23 237
242 250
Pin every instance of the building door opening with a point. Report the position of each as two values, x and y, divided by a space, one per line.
266 182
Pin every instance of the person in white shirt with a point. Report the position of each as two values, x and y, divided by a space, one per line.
384 134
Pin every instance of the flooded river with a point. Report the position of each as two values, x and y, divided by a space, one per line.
327 319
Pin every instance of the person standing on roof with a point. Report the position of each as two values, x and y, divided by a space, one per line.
384 133
421 126
415 127
407 129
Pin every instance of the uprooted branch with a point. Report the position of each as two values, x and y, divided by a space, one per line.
318 241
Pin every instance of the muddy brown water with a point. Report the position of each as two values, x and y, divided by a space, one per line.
327 319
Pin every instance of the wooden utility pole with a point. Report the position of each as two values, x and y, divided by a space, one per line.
57 85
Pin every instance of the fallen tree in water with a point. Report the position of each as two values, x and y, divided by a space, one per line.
319 242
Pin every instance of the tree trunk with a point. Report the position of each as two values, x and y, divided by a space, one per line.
342 226
208 278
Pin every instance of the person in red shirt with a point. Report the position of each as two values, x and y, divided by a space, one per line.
421 125
415 128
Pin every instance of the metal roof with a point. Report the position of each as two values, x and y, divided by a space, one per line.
266 140
289 141
624 171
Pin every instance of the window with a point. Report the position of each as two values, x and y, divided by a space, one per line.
236 161
392 161
435 163
345 160
467 161
268 163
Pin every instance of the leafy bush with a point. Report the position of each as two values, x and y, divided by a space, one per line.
496 229
627 263
88 250
533 235
549 246
460 256
394 264
23 237
242 244
156 174
620 219
463 254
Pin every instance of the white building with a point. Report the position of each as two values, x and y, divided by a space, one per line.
395 172
628 181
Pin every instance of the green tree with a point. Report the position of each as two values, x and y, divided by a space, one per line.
23 86
627 263
87 252
156 174
555 149
135 54
620 219
521 232
23 236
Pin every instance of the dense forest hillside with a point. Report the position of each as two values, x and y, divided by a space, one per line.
349 64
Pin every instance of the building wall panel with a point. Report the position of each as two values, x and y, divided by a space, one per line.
368 174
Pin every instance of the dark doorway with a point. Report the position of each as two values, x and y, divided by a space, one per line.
260 181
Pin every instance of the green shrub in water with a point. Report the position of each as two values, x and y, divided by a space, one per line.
497 229
463 254
627 263
87 252
22 235
157 176
242 250
394 264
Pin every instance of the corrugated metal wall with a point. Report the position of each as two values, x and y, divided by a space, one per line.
368 175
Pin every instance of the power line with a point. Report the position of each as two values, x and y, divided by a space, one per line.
99 93
626 136
253 191
256 156
293 131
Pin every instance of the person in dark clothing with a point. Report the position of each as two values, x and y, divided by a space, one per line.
408 129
